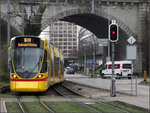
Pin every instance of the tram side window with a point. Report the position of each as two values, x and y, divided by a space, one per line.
52 67
44 67
62 67
56 65
48 62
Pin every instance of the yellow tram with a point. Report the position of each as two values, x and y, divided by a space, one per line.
35 65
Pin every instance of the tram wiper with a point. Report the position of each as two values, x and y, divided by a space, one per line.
38 63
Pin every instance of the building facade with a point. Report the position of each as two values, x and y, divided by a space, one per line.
63 35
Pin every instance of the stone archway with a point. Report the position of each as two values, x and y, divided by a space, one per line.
125 31
61 15
13 22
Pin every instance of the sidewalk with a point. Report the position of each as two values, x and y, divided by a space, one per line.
2 106
142 99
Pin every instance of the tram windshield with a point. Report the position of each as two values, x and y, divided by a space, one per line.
27 61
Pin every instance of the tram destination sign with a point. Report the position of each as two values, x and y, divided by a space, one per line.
27 42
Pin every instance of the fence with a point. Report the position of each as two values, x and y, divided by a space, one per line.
128 87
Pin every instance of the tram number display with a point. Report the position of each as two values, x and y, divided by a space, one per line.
27 39
27 42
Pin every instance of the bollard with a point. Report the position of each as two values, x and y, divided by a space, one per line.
145 75
92 73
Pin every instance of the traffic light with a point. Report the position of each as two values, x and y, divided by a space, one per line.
113 32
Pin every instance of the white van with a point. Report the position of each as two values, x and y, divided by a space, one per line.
122 69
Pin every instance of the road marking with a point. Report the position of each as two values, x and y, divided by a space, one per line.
145 92
124 89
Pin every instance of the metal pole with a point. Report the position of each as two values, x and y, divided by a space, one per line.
108 59
84 48
94 56
131 78
93 47
22 17
94 61
92 11
136 86
67 39
0 42
85 62
113 87
148 10
8 34
0 33
28 19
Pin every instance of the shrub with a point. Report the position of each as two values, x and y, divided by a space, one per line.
3 63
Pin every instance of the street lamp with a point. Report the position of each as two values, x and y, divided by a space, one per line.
93 43
84 55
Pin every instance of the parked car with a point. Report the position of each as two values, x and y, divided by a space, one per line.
69 70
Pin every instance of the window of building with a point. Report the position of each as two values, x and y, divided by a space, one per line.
74 39
74 43
69 43
65 43
70 47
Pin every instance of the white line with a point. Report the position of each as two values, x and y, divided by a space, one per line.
4 105
124 89
145 92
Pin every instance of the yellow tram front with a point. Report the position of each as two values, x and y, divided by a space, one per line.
28 64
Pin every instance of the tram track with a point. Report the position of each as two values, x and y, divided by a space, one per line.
66 92
23 109
4 89
100 100
44 105
91 108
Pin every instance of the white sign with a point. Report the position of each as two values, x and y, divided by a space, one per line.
131 52
131 40
102 42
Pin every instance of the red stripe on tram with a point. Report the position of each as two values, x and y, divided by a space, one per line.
42 79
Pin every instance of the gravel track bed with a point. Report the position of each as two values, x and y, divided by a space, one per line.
89 91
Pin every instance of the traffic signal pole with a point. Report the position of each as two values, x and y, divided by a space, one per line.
113 87
113 37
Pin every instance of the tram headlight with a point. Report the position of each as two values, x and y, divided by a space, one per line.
39 76
14 76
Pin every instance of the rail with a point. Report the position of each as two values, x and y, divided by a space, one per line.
43 104
21 105
101 101
4 89
91 108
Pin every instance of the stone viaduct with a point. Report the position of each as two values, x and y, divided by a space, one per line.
132 17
